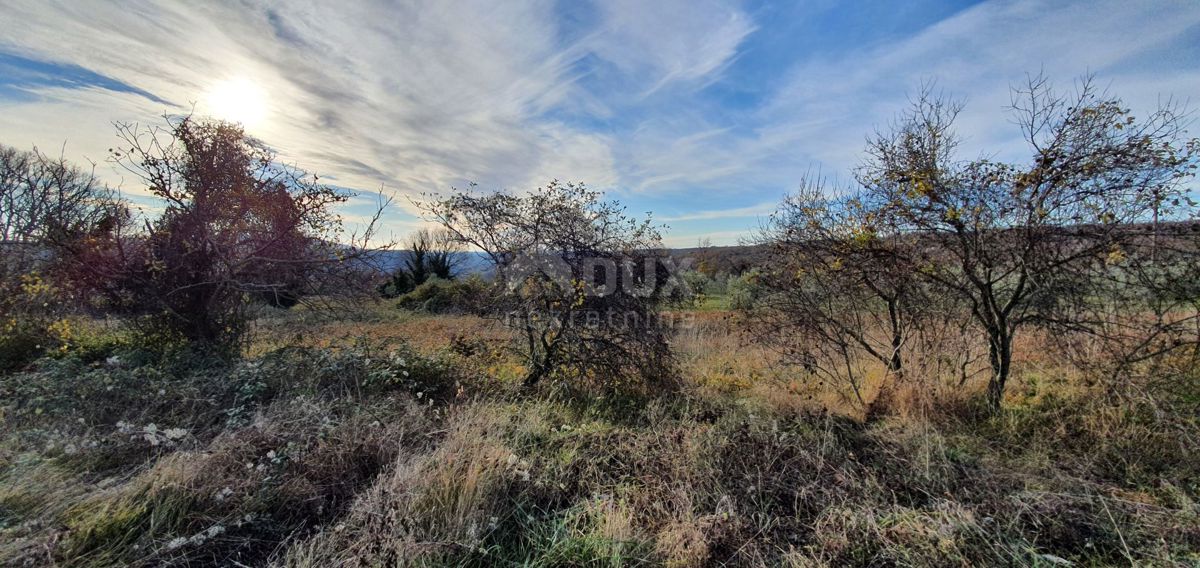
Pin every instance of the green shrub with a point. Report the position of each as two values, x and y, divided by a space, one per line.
21 343
467 296
743 291
32 320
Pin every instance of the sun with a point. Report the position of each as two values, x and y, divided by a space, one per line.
238 100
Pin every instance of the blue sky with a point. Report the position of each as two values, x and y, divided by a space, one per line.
705 112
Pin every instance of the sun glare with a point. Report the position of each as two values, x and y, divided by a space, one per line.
238 100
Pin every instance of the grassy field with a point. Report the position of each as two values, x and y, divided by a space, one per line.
395 438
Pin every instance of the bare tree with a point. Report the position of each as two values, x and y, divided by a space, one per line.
1013 241
46 204
444 254
840 286
46 201
578 279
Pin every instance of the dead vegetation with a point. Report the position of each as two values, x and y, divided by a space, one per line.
874 405
333 456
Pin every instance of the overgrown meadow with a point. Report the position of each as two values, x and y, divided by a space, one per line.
406 438
951 363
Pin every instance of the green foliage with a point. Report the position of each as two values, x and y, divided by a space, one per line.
438 296
743 291
399 283
22 342
695 291
32 320
583 536
430 256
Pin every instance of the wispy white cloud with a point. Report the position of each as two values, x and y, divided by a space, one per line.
704 238
419 97
415 97
976 55
821 114
759 210
670 40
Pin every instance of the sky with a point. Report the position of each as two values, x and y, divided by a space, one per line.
702 112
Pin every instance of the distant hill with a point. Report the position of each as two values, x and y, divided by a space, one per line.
716 260
737 259
713 260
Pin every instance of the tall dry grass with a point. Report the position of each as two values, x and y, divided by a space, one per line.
333 456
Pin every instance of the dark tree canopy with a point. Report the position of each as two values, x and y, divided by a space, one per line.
430 254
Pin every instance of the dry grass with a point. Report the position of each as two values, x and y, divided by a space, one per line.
380 323
330 456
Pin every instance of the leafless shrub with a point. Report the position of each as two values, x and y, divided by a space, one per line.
837 290
577 278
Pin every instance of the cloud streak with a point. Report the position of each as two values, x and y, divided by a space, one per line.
759 210
649 101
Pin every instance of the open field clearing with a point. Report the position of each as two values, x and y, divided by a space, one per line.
389 442
599 283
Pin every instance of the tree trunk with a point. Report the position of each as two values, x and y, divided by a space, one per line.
895 365
1000 357
532 378
885 400
542 363
884 403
